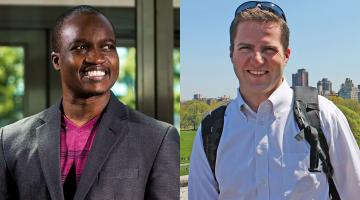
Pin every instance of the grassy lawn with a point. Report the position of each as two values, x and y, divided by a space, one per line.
186 142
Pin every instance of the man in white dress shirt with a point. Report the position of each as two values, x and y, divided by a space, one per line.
258 156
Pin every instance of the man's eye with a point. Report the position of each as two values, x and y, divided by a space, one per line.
270 50
108 46
80 47
244 49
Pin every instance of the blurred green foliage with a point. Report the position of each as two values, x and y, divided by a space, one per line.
176 60
124 87
11 84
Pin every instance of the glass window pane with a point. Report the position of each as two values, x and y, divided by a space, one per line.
124 88
11 84
176 61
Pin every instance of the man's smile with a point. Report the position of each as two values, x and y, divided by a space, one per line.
95 73
257 72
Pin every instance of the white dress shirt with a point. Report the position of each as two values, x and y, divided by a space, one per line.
259 158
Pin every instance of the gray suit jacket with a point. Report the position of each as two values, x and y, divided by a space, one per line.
133 157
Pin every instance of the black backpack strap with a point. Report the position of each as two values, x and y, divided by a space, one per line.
306 110
211 130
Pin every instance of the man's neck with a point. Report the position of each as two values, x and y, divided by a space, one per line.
81 110
254 99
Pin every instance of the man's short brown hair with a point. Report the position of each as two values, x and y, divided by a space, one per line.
259 15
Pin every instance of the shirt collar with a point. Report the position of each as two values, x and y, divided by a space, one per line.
87 126
280 99
239 100
245 110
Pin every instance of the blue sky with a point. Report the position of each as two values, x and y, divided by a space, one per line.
324 39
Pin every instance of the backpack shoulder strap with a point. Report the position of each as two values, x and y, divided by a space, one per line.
211 130
306 110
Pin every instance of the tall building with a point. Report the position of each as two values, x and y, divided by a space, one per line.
324 87
348 91
198 97
301 78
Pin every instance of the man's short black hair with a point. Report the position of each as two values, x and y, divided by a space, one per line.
78 10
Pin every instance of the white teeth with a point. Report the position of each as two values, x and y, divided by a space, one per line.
95 73
257 72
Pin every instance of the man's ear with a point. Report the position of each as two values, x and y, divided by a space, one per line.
287 54
55 60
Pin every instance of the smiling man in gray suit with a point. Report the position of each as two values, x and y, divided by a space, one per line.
89 145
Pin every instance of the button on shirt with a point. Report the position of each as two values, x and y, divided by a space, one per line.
259 158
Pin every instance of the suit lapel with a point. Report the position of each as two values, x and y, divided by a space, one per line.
112 127
49 150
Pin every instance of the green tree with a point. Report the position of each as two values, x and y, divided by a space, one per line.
11 84
126 78
176 63
349 103
193 113
354 121
351 110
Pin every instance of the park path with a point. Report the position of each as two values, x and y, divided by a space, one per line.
184 187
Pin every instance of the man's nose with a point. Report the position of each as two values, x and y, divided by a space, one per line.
257 58
95 56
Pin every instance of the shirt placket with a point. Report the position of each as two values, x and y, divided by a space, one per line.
262 154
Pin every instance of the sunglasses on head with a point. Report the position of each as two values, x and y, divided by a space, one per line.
265 5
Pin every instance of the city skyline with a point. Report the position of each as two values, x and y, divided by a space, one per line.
322 41
199 95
